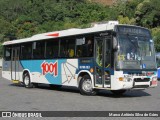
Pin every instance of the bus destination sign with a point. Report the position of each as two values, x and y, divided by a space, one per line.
132 30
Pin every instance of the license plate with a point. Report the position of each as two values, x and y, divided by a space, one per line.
154 82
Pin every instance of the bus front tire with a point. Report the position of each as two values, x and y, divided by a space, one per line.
26 81
85 86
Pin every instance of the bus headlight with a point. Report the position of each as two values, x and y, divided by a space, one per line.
127 79
121 78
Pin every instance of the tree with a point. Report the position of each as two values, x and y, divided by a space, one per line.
147 13
156 37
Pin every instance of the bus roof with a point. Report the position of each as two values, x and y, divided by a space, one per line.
69 32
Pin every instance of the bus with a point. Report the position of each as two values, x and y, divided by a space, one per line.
158 65
96 58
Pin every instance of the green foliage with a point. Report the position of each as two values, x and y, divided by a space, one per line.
148 13
24 18
126 20
156 37
28 17
125 8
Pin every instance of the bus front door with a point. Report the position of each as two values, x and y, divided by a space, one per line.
15 64
102 62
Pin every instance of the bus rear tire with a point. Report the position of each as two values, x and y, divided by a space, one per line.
85 86
27 81
118 92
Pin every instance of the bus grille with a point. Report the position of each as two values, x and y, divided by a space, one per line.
141 86
141 80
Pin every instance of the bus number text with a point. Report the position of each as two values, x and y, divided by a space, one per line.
51 68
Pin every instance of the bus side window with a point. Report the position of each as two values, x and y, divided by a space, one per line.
67 48
38 50
71 52
78 51
26 51
50 54
52 49
84 46
108 53
88 48
7 53
63 52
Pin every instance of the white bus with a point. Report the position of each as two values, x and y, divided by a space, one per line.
106 56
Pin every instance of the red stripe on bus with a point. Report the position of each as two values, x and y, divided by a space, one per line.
54 34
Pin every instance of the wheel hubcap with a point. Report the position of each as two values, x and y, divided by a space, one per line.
87 85
26 80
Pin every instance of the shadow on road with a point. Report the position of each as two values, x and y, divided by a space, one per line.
102 93
127 94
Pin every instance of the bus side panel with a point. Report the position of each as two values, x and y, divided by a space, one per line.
6 69
68 72
59 72
10 73
43 71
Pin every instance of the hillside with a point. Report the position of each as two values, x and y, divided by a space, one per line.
24 18
110 2
104 2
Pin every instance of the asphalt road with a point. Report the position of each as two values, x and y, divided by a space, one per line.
43 98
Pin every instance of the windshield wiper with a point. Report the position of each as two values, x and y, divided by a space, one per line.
137 47
133 43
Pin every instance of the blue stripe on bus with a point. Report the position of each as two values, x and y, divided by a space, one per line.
35 66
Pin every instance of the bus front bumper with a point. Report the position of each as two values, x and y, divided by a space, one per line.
139 83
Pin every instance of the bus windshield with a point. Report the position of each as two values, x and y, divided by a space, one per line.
135 52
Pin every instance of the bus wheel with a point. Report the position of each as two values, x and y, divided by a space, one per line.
118 92
26 81
85 86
